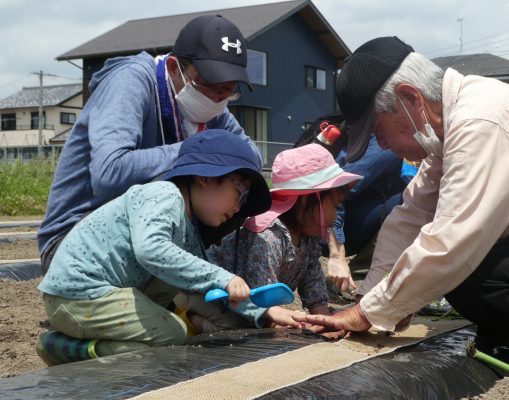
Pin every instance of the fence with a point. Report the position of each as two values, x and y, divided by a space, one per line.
27 153
269 151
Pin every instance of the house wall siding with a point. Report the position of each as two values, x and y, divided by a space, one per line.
76 101
291 46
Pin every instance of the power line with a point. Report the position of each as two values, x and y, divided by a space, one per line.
488 44
14 81
494 41
469 42
501 53
66 77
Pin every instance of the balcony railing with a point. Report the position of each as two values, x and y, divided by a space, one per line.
48 127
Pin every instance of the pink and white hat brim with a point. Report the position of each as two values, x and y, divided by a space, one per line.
280 205
285 194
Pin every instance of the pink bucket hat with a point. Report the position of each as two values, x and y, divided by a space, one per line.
295 172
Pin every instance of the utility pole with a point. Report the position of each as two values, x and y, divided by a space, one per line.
40 117
460 20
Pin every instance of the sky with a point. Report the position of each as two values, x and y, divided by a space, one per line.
34 32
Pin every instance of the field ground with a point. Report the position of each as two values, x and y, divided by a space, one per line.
22 316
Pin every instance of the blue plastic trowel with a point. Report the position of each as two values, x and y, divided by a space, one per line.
266 296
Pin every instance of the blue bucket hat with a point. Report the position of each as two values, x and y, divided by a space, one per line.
217 152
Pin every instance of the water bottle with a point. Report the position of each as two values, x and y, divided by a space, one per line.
328 134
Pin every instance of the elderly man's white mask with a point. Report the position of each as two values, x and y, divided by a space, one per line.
430 142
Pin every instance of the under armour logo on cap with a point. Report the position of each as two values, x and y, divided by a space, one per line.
227 44
216 48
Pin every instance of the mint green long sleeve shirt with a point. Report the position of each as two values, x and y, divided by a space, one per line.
140 234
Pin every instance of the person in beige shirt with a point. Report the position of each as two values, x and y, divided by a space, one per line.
450 237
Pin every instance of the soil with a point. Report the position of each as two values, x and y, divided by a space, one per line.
22 319
21 249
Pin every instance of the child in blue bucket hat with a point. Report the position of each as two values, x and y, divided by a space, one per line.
117 271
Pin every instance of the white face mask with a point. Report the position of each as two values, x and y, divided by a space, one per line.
194 105
430 142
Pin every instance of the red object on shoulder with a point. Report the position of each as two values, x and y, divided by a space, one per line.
329 133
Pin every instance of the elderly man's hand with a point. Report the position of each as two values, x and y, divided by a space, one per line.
337 324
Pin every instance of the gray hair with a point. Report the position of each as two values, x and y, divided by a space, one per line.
416 70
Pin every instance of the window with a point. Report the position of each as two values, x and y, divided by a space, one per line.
315 78
255 122
257 67
67 118
8 122
34 120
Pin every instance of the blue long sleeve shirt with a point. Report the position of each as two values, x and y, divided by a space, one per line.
381 170
116 143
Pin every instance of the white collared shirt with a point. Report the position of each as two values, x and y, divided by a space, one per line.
454 210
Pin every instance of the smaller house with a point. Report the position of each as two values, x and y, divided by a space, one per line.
19 114
487 65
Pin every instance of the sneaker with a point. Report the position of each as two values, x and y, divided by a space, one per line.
56 348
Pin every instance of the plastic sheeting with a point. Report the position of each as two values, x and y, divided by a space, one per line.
12 224
16 236
21 271
435 369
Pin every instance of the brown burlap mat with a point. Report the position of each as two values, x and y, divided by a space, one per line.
258 378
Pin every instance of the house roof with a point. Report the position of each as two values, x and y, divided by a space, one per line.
159 34
61 137
51 96
476 64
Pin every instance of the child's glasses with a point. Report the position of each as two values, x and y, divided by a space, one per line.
243 192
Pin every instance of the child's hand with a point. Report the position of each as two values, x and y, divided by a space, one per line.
338 272
280 317
237 290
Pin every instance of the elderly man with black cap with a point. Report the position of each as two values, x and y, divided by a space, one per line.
451 235
140 110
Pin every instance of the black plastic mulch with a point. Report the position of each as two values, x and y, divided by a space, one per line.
435 369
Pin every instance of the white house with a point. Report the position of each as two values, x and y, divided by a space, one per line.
19 114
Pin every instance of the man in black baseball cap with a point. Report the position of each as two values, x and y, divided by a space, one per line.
365 71
434 244
140 110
